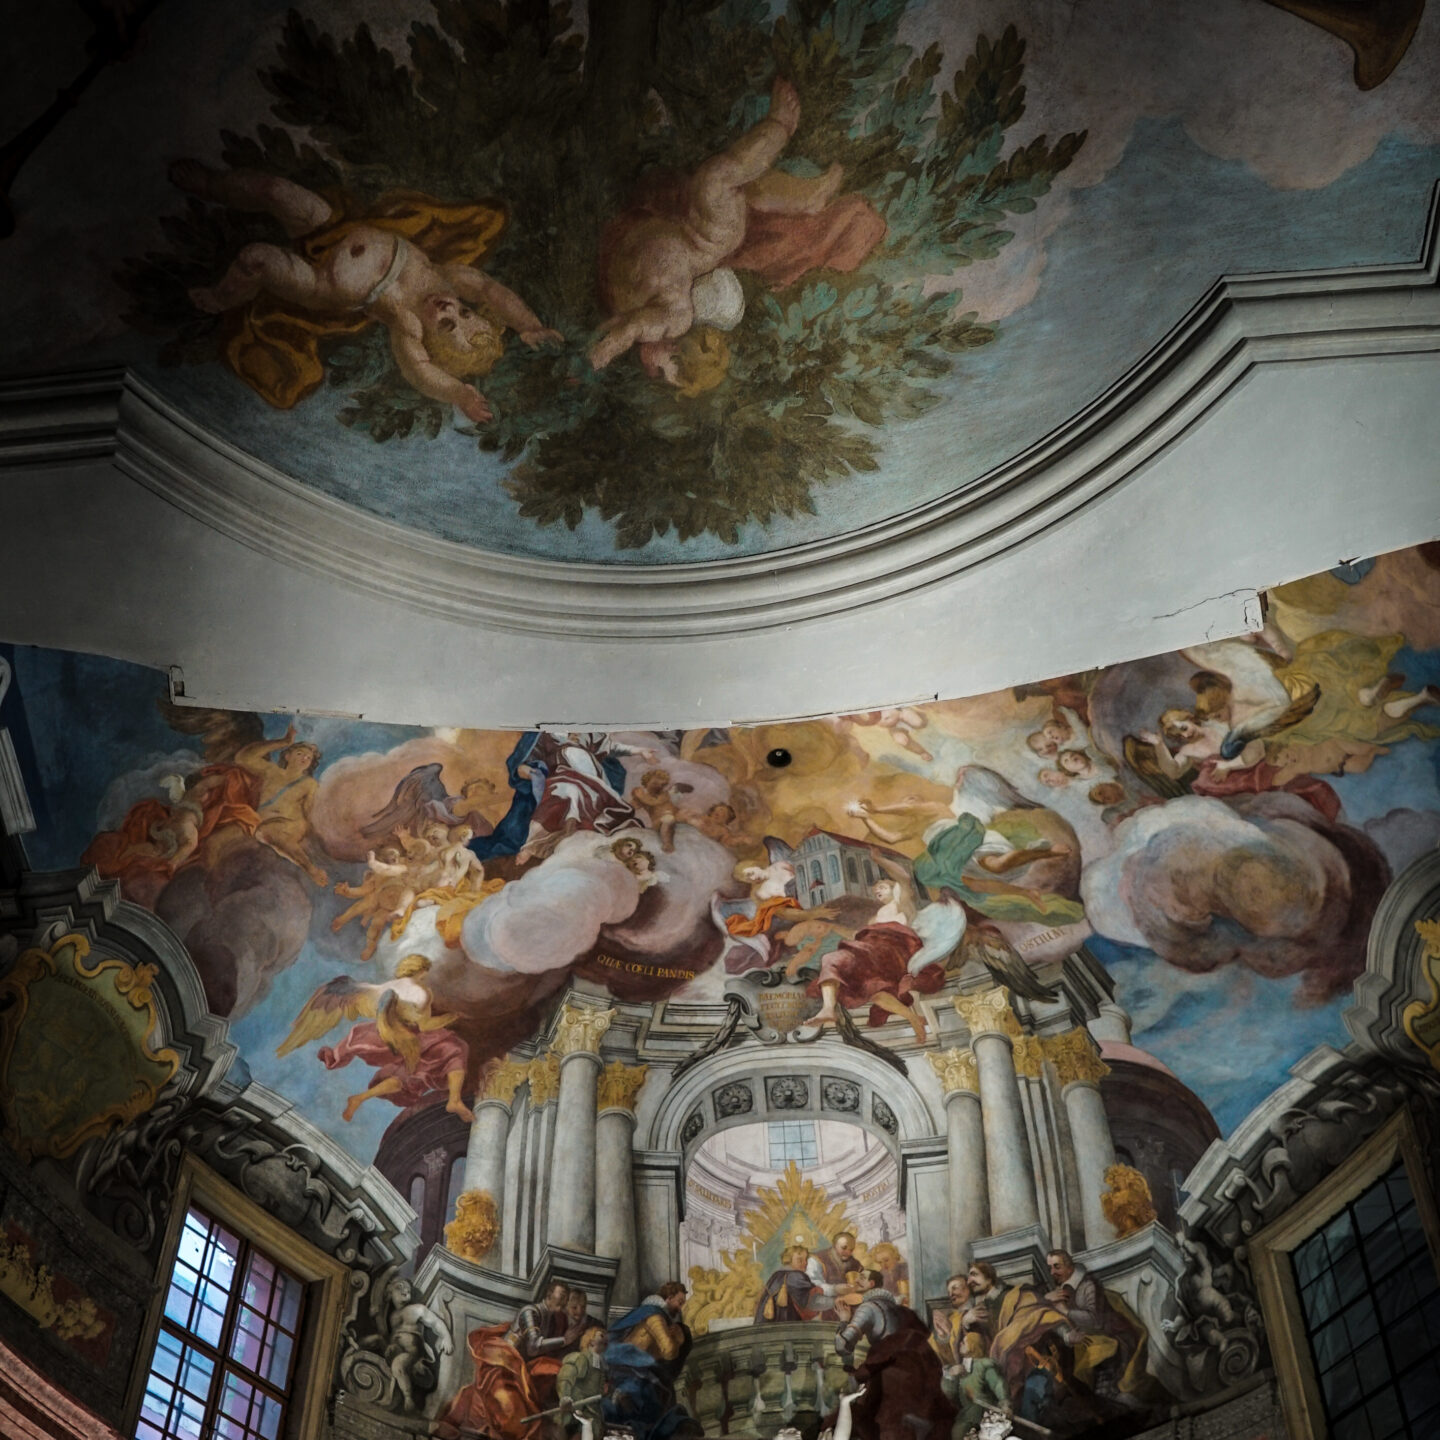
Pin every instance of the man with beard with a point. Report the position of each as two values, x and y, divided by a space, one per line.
515 1370
901 1374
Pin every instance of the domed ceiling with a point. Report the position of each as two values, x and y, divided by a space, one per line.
665 283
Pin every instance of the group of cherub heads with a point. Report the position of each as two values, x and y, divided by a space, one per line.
666 270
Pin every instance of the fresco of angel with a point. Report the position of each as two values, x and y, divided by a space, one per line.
421 799
412 1051
408 263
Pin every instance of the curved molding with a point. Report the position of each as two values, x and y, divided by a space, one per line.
1240 324
825 1058
1394 963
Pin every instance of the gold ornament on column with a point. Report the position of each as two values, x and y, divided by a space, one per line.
1029 1054
956 1070
1126 1200
1076 1058
503 1081
543 1074
580 1029
988 1012
475 1227
620 1086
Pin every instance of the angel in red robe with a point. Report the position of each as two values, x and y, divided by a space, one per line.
411 1050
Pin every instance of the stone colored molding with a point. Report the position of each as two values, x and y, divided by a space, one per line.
580 1030
1076 1058
543 1073
619 1086
1029 1055
956 1071
502 1083
927 558
988 1012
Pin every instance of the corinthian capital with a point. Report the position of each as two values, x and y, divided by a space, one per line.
956 1070
543 1074
988 1012
580 1029
1029 1055
503 1081
619 1086
1076 1058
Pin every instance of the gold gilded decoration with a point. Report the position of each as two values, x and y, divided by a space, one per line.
1076 1058
580 1029
1029 1055
543 1074
1421 1018
475 1227
956 1070
32 1288
76 1057
988 1013
1126 1200
795 1212
620 1086
503 1081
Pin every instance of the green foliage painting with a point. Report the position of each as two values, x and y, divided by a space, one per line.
886 174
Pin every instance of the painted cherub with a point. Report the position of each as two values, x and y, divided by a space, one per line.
284 770
379 896
636 859
418 1337
655 795
408 264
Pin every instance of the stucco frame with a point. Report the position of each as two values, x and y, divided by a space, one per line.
1275 1277
327 1279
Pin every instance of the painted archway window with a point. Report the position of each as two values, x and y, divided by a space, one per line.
835 869
457 1184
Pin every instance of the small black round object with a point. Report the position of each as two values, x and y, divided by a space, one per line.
779 758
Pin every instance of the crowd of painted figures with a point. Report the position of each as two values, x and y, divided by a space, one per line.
1061 1360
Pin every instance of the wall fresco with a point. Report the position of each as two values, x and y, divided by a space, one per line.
1008 927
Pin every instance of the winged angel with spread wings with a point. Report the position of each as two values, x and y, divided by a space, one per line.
412 1051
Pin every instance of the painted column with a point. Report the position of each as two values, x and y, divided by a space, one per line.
1009 1171
570 1217
490 1136
615 1175
965 1133
1078 1064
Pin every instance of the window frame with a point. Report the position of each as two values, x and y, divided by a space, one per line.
326 1281
1395 1142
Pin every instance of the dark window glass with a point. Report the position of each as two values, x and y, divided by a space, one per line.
1372 1316
224 1359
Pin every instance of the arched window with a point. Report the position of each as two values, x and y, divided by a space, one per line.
835 869
417 1199
817 876
852 870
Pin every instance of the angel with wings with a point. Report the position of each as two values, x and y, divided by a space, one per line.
1221 744
411 1050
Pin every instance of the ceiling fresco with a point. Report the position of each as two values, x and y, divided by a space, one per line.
666 283
1214 826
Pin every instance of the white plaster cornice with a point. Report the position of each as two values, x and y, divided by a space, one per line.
1240 324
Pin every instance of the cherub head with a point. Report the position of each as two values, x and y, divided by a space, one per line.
461 835
389 854
887 892
301 758
412 965
655 780
399 1292
1076 762
721 813
1107 792
1058 729
1179 726
462 339
1042 744
1055 779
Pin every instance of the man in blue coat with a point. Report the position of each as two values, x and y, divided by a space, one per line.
643 1361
